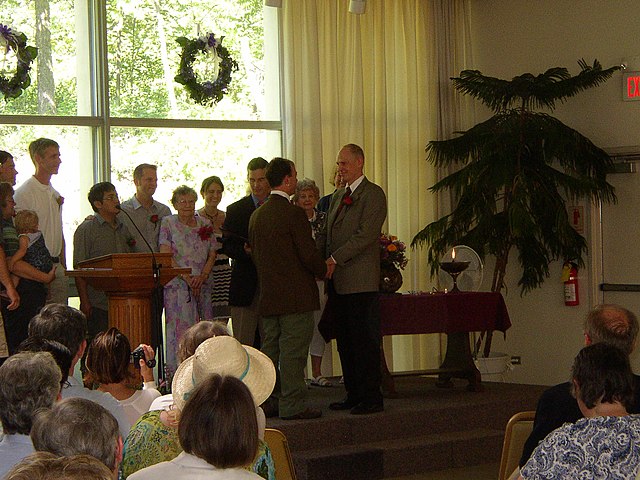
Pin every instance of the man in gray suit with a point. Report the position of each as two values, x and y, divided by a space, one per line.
350 244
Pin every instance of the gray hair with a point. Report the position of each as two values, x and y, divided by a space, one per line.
75 426
46 466
28 381
305 184
182 190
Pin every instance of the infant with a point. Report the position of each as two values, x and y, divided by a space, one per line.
32 248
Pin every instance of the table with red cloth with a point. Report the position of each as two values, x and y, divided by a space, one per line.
455 314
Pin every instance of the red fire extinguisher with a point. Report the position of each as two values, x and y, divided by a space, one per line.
570 279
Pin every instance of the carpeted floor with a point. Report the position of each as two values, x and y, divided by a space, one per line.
423 430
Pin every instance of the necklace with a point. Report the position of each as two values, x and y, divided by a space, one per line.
211 217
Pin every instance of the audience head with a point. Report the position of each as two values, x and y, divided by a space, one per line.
336 178
307 194
63 324
601 373
6 193
218 423
257 179
28 381
183 193
612 324
38 148
61 354
99 192
145 178
78 426
211 190
350 163
198 333
257 163
26 221
47 466
8 170
281 174
109 358
224 355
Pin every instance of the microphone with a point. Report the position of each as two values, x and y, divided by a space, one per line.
120 209
155 297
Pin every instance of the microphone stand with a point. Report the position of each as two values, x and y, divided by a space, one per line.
156 301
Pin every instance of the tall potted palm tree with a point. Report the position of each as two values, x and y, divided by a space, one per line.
514 173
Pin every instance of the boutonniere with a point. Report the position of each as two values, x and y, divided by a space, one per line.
205 232
154 219
131 242
347 200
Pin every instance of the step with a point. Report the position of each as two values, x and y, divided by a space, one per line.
349 462
411 456
338 429
404 456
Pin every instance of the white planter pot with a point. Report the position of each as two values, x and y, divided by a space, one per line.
494 367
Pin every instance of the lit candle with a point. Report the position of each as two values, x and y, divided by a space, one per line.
453 254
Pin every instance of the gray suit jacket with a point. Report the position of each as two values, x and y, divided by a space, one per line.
352 238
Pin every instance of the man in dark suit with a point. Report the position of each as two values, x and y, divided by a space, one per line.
288 264
246 323
350 244
610 324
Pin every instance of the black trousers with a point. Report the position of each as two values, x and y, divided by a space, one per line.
357 328
16 322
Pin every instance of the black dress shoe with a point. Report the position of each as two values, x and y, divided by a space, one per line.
345 404
306 414
364 408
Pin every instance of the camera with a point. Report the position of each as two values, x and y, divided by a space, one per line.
138 354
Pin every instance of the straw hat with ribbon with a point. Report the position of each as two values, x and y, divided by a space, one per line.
224 355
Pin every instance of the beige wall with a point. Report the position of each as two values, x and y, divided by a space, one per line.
511 37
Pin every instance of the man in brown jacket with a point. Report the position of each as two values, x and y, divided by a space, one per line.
288 263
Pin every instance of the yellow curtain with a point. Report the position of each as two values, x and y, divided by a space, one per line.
374 80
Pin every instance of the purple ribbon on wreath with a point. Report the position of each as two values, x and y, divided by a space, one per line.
5 31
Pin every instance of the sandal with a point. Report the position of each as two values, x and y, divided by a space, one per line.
320 381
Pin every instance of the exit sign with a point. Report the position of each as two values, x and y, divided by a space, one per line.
631 86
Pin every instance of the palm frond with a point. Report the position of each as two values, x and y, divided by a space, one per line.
531 91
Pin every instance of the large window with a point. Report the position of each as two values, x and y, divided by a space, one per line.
103 86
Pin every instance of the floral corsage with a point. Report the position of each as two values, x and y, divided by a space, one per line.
205 232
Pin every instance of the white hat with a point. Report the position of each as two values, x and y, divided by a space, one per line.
224 355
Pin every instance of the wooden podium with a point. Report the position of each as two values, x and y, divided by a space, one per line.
127 279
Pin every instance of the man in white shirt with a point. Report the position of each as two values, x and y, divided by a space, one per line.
146 212
68 326
38 194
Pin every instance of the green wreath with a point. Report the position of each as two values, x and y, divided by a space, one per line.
207 92
16 41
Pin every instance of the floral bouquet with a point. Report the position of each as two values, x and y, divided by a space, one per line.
392 252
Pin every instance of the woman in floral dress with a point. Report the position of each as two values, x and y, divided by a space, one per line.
187 298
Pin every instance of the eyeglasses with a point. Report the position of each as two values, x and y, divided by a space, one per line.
186 202
113 197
